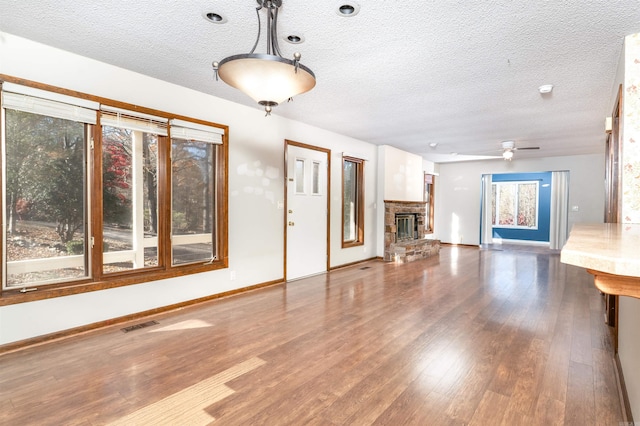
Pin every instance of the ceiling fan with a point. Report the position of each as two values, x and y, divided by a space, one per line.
509 146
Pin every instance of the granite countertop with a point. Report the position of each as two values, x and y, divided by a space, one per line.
612 248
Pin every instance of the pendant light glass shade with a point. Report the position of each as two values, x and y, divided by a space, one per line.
267 78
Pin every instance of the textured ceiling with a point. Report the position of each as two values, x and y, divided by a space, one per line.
460 74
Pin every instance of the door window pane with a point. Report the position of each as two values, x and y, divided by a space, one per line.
299 177
193 201
45 199
316 179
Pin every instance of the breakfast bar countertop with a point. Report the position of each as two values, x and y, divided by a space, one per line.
609 251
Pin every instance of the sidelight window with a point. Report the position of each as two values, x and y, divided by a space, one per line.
352 201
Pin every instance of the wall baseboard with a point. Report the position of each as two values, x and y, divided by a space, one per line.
521 242
344 265
64 334
622 391
459 245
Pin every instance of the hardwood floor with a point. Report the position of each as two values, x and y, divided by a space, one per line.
473 336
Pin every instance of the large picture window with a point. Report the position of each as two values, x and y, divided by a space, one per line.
92 192
515 204
352 201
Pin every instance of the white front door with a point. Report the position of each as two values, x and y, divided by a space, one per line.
306 224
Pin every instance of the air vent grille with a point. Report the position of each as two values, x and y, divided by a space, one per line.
139 326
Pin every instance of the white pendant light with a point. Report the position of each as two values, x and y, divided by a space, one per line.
268 79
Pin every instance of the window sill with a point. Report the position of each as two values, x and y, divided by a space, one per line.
15 296
353 244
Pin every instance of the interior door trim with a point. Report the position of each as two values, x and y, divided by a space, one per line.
327 151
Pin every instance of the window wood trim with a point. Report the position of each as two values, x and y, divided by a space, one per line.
359 241
100 281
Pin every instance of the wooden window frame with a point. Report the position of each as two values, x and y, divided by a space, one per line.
517 184
429 197
98 279
359 215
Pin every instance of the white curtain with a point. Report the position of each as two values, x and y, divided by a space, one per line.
558 230
486 233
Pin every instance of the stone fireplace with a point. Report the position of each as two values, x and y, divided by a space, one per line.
406 227
404 232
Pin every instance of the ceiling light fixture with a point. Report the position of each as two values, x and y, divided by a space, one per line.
267 78
348 10
508 147
294 39
545 88
216 18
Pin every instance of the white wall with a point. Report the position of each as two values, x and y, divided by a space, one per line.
256 189
403 175
458 188
629 309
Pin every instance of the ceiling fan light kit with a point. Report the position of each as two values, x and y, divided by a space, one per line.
267 78
508 148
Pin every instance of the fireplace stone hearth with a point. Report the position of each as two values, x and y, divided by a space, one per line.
404 249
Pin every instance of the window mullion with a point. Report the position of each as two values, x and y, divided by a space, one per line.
164 201
94 177
516 205
137 183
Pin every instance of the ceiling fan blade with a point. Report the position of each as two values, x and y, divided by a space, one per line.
527 147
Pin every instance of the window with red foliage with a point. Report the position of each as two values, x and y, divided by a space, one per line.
91 198
129 199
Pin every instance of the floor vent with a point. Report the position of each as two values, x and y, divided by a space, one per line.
365 267
139 326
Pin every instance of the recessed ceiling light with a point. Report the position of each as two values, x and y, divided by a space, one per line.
216 18
433 144
545 88
348 9
294 39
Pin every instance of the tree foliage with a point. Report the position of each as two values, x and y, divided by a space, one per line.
192 171
45 171
116 178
